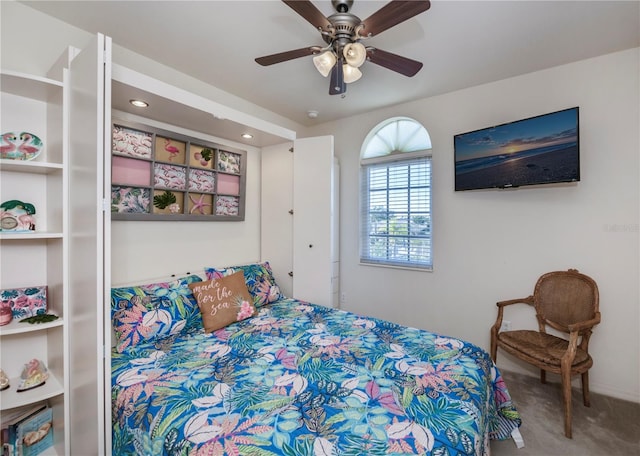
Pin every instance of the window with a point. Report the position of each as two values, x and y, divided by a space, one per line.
395 197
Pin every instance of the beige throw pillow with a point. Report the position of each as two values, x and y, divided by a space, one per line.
223 301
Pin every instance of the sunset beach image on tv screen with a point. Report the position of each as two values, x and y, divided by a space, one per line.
537 150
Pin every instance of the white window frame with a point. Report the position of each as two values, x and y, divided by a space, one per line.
392 159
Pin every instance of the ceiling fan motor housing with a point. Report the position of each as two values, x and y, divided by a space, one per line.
343 32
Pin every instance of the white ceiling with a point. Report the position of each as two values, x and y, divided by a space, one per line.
461 43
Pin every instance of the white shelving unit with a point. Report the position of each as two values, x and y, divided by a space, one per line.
38 105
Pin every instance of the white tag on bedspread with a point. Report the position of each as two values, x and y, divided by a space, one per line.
517 438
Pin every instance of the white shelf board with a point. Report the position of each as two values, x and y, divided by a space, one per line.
16 327
22 235
32 167
30 86
11 398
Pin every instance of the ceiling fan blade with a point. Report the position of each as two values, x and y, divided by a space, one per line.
393 13
337 85
307 10
287 55
393 62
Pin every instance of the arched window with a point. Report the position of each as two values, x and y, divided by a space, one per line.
395 195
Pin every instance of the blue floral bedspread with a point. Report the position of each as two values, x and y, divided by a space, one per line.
299 379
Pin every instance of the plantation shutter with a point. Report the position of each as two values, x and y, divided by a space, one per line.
396 212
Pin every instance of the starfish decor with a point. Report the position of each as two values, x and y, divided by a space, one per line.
198 205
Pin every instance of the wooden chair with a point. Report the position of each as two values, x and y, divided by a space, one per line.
568 302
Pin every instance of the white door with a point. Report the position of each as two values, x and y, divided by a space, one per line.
313 229
277 213
90 107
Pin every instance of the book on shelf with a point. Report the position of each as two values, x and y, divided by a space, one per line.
35 433
8 425
29 433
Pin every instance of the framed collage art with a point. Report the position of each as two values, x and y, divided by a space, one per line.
160 175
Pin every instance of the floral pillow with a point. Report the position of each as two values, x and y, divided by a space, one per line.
259 279
25 302
223 301
152 312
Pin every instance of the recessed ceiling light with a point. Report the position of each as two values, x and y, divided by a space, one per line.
247 136
139 103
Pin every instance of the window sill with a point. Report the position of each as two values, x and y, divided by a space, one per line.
393 266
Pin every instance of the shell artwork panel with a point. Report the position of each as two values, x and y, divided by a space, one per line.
201 157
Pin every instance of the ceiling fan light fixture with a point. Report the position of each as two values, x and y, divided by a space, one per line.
351 74
355 54
324 62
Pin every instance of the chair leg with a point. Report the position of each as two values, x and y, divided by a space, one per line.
585 389
494 344
543 376
566 399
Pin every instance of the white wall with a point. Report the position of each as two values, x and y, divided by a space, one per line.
493 245
145 250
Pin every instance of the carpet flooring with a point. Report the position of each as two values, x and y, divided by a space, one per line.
610 427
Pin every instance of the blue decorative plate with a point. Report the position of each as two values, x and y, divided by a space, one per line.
23 146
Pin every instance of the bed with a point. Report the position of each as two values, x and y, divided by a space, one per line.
292 378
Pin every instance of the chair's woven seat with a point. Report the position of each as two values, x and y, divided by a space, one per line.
545 348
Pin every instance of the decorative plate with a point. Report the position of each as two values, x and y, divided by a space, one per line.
23 146
17 216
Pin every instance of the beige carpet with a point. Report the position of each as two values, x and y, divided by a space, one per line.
610 427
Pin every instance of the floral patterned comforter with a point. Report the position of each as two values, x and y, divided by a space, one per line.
299 379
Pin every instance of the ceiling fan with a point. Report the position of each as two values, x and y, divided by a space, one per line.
343 33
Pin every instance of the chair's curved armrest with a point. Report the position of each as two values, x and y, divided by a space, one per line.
501 305
527 300
585 324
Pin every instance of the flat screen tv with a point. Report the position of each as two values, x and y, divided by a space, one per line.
539 150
